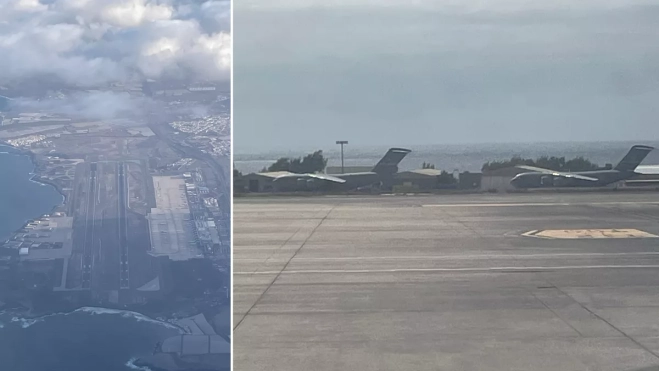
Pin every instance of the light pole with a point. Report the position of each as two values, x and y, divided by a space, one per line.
342 142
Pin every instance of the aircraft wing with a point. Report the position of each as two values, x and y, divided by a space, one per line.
326 177
557 173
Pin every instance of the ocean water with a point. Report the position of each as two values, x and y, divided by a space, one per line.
88 339
21 198
452 157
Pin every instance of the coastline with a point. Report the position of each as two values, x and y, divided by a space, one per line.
21 307
36 176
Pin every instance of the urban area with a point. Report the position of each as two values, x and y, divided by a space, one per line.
145 223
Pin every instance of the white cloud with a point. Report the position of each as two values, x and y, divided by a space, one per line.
91 42
134 13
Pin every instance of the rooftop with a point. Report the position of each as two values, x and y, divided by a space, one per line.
170 226
428 172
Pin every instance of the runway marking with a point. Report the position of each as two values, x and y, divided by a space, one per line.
514 204
466 257
449 270
588 233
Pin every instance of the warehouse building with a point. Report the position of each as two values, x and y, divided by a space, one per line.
262 182
499 180
420 179
170 225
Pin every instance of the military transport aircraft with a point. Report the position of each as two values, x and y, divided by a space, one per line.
539 177
381 173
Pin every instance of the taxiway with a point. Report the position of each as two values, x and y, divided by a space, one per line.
447 283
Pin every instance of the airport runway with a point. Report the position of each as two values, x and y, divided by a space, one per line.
447 282
122 186
109 239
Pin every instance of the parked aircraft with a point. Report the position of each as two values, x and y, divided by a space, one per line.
539 177
381 173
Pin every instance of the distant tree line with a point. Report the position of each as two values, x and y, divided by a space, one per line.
546 162
311 163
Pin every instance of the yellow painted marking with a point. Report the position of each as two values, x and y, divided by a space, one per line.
589 233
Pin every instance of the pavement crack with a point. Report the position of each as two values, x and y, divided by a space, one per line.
556 314
609 323
285 265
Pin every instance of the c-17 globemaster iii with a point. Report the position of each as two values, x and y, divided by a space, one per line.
624 170
381 173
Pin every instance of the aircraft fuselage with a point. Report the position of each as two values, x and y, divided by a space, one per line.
540 180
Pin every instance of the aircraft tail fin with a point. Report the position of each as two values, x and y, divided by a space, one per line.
633 158
389 163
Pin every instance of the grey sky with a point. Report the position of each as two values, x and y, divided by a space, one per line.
423 72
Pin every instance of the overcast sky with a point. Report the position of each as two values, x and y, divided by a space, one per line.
438 71
90 43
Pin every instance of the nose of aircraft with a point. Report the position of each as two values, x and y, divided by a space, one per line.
515 181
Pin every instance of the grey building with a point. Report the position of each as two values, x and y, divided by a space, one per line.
421 179
499 180
469 180
261 182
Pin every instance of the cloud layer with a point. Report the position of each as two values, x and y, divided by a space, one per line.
94 42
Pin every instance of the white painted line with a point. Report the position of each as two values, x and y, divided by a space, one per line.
474 270
541 204
530 233
463 257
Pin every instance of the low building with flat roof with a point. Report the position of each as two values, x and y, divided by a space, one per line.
170 225
499 180
262 182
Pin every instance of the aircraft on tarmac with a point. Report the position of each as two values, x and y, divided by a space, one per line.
382 172
624 170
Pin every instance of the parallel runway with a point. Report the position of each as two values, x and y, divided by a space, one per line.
446 283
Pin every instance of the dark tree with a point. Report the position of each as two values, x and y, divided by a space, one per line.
312 163
283 164
546 162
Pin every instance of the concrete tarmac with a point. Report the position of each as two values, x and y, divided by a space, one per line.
446 283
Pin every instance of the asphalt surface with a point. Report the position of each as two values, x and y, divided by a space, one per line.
94 264
110 242
445 283
124 272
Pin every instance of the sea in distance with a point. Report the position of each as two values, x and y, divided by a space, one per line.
87 339
449 157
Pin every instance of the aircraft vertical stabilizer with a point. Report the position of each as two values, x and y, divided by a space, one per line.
633 158
389 163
